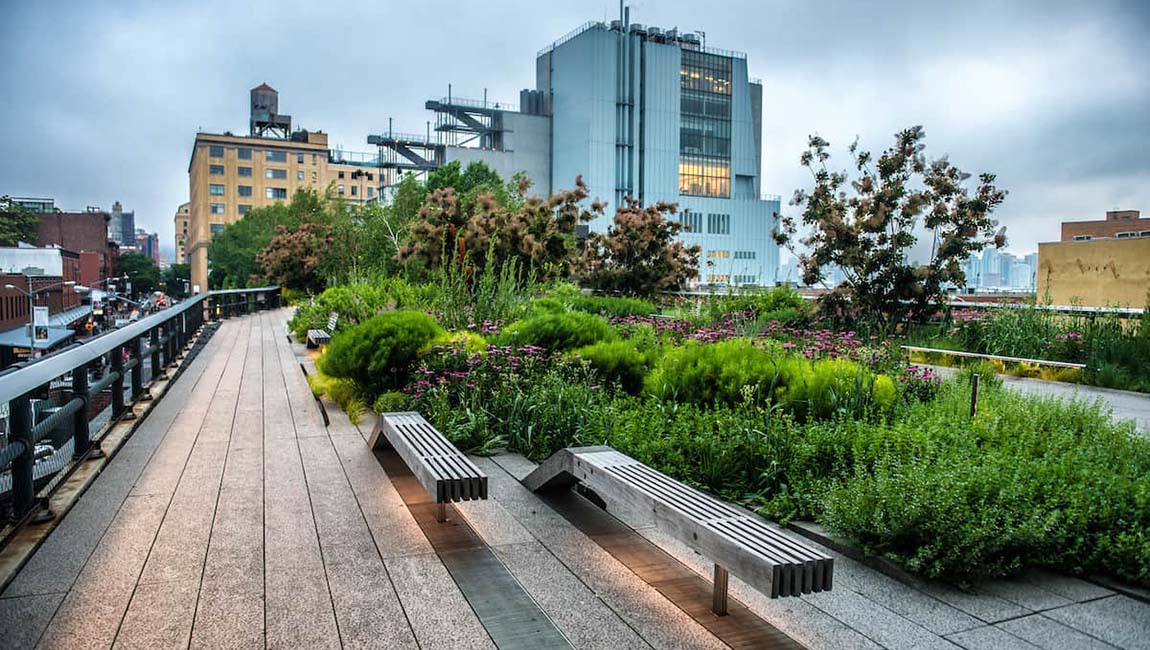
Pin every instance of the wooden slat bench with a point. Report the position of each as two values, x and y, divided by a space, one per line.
735 540
445 472
316 338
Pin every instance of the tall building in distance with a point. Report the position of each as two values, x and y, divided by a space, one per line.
122 226
148 244
228 174
182 222
636 111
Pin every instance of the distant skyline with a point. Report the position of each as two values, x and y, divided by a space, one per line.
103 99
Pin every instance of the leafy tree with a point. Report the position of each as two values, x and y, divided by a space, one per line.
17 223
536 233
233 253
293 258
177 279
639 255
869 232
141 271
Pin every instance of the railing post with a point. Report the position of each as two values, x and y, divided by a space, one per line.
20 430
118 384
81 436
154 348
137 347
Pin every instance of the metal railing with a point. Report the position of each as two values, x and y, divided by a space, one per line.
81 373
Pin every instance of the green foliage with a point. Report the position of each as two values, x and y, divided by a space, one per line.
141 271
884 393
729 372
177 280
378 352
558 332
987 374
391 402
783 304
612 306
354 303
233 253
17 223
828 388
618 362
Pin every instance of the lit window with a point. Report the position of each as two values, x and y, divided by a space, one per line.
217 208
276 193
340 188
216 190
244 171
216 170
245 190
299 175
243 153
276 156
216 151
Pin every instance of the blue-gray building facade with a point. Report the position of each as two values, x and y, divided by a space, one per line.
654 115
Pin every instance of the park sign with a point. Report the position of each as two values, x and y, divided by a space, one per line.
40 323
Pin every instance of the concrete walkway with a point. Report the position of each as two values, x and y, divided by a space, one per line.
234 518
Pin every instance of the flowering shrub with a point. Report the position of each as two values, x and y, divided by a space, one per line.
919 383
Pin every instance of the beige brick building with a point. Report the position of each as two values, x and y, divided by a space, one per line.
228 175
182 222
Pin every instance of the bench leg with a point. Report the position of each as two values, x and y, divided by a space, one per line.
719 601
441 512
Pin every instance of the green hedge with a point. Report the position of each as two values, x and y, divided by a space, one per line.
378 352
558 332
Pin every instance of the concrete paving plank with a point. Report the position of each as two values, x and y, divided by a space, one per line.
159 616
23 619
1050 634
1117 620
439 616
990 638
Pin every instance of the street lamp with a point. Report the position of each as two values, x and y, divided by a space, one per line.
31 307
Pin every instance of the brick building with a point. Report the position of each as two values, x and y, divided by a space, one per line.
1118 224
85 233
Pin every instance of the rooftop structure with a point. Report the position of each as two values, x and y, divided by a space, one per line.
1118 224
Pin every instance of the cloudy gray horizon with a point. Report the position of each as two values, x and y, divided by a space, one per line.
104 99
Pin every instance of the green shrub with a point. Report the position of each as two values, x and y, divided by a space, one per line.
376 353
987 374
558 332
729 372
884 393
828 387
541 306
618 362
354 303
469 341
391 402
612 306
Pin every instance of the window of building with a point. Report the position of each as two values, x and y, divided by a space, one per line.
370 177
718 224
276 156
341 175
299 175
216 190
245 190
370 192
313 158
217 208
744 255
353 190
719 254
718 278
1082 238
244 171
313 176
299 159
705 124
275 174
1144 233
276 193
340 188
244 153
215 228
216 151
243 208
691 221
216 170
746 279
1125 235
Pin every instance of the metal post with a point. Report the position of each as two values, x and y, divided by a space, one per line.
20 430
118 384
154 345
138 369
81 437
719 598
973 394
441 512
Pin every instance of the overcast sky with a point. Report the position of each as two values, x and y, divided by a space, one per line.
102 99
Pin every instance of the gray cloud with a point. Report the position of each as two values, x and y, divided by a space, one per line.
103 98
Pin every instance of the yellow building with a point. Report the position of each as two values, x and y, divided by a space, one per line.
1096 272
229 175
182 219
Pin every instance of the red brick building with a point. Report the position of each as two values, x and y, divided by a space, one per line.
1118 224
85 233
